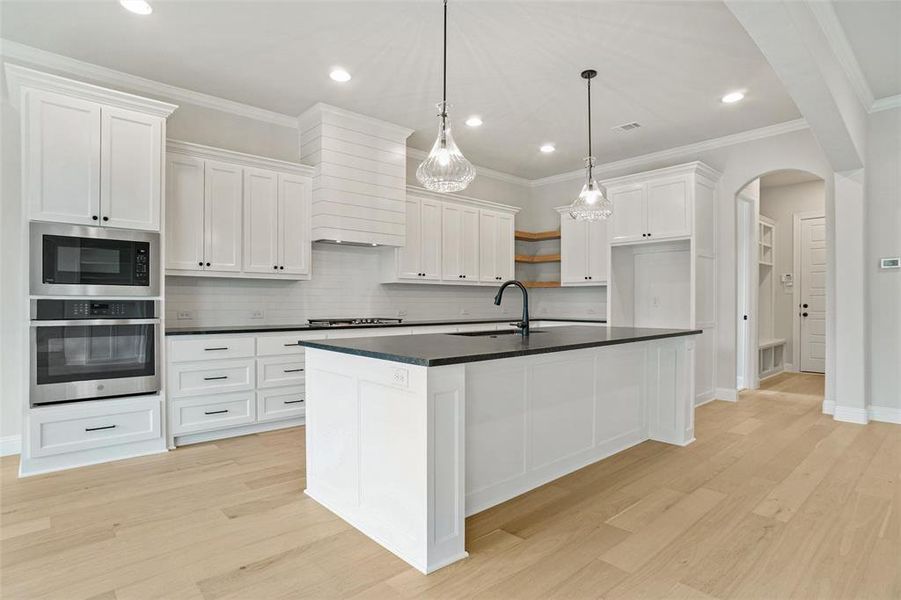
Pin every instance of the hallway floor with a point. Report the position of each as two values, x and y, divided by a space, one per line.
773 500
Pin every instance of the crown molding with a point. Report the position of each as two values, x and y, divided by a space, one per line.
485 171
246 160
474 202
695 168
887 103
824 13
313 116
19 78
42 58
679 151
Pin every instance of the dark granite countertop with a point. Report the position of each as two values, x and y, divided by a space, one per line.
212 329
433 350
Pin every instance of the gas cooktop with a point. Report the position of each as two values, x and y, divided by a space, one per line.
354 321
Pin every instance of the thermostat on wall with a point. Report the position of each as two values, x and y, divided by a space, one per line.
890 263
787 279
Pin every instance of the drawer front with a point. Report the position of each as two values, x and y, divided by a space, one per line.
210 348
279 371
186 379
57 432
285 344
281 403
206 413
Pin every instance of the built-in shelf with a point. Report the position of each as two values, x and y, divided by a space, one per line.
541 284
540 258
765 264
537 236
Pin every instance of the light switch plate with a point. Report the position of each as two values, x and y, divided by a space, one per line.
893 262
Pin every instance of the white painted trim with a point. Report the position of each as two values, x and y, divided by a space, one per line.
796 286
886 103
702 399
850 414
727 394
314 115
19 77
885 414
828 407
678 151
35 56
824 13
247 160
218 434
10 444
487 204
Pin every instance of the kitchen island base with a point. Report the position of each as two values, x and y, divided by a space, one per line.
405 452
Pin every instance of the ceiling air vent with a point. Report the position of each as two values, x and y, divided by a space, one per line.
626 127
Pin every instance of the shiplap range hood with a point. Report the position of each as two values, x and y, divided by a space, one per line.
359 187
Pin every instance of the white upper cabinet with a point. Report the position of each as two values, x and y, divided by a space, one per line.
430 213
261 227
61 155
409 256
651 209
130 175
503 256
460 243
90 155
495 246
583 251
184 213
222 216
294 195
233 218
420 258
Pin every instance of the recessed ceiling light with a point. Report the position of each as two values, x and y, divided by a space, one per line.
340 75
732 97
474 121
547 148
138 7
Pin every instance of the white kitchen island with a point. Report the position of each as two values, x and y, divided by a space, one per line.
407 436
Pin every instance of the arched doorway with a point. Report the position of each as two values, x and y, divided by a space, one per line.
781 258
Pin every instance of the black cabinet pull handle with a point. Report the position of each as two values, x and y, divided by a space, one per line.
275 267
94 217
292 370
294 344
218 348
293 401
200 264
805 306
281 268
208 264
218 377
215 412
106 218
99 428
804 314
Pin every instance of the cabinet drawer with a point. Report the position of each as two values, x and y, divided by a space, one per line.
276 371
283 344
204 413
281 403
211 376
74 428
210 348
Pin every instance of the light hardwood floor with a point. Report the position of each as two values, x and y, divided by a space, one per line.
773 500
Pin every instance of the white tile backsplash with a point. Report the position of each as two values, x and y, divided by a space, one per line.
346 283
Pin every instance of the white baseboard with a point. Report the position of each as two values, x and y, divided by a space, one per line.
885 414
705 397
850 414
790 367
727 394
828 407
10 444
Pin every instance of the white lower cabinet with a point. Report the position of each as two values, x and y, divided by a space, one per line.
186 379
275 371
281 403
203 413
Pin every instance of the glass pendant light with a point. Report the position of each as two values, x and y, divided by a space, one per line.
445 169
592 203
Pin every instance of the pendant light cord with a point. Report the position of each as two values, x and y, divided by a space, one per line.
444 69
590 161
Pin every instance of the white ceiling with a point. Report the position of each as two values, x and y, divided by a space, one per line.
663 64
873 29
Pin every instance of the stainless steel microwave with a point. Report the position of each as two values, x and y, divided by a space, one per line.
74 260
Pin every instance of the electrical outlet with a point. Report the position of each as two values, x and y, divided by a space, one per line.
400 376
185 315
256 314
464 312
591 311
401 313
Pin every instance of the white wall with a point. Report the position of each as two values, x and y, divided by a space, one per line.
781 203
883 238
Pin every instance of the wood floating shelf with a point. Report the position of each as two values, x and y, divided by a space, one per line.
537 236
541 284
540 258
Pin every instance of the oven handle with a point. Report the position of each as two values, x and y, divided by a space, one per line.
92 322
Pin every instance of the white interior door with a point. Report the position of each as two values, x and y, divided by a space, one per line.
813 295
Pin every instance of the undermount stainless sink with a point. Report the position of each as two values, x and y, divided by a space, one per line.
491 333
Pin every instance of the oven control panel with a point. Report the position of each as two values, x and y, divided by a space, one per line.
57 310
